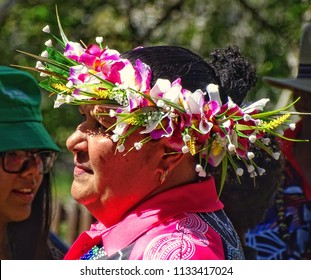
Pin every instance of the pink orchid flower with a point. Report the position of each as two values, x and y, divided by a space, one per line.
142 76
73 50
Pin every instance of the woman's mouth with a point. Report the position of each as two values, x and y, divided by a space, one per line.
80 170
26 194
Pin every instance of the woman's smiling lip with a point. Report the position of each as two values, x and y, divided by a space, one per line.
25 194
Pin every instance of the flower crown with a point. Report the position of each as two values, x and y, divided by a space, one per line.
216 132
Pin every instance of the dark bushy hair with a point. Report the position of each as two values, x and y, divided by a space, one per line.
235 73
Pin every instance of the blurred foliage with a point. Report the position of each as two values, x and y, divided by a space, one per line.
267 31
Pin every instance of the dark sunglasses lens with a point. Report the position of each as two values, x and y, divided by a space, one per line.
14 161
18 161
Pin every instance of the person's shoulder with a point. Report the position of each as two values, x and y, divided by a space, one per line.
183 237
57 246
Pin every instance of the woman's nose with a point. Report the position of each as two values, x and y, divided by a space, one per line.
77 141
34 166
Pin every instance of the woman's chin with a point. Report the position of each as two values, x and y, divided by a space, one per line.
80 194
21 215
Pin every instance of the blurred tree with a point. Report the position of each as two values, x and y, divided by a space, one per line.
265 30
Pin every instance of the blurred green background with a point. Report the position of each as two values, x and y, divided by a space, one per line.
267 31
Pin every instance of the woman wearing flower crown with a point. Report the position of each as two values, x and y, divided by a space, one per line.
149 200
155 120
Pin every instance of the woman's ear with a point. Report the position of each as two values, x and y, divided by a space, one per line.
169 162
171 158
173 164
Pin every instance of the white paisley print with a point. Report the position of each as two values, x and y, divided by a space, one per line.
181 244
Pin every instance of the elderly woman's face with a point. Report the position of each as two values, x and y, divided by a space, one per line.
107 182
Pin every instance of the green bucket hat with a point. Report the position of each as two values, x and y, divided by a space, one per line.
20 113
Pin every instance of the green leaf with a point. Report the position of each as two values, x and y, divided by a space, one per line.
224 165
46 84
274 112
62 33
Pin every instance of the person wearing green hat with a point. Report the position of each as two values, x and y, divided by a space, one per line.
27 154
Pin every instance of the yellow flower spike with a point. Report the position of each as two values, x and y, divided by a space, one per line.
60 87
191 144
216 148
275 123
135 120
102 93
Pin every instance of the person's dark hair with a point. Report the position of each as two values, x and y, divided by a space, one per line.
29 239
246 201
227 68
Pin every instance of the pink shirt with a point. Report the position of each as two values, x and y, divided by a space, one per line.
164 227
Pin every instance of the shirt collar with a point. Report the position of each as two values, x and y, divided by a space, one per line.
198 197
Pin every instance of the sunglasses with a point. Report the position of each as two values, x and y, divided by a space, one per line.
18 161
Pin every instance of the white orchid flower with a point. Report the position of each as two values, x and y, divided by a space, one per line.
258 105
213 93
